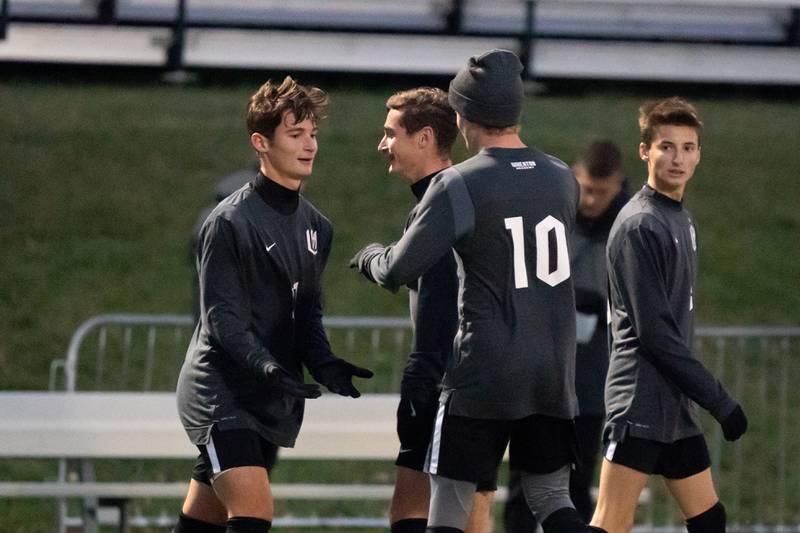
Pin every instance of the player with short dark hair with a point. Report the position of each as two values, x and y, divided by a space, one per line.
598 170
423 107
418 135
260 257
654 381
507 212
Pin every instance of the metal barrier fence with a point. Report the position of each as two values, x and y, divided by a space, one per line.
134 352
758 477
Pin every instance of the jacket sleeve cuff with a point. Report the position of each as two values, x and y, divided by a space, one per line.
724 408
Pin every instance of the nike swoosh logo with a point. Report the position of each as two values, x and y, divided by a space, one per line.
271 246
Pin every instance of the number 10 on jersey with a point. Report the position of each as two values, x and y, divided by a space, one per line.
543 229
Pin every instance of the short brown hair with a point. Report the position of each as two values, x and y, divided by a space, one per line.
601 158
427 106
266 107
673 111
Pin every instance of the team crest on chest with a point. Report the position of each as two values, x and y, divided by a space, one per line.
311 240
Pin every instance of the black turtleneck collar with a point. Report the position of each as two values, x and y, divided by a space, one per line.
278 197
419 187
662 199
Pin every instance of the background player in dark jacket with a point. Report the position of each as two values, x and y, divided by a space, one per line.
598 170
418 135
654 380
260 257
507 212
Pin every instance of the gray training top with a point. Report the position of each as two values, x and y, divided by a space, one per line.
653 376
260 256
433 305
508 214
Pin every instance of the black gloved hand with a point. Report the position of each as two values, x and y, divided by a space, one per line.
734 425
276 375
338 374
362 259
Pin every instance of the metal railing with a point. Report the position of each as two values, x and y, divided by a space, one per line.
138 352
135 352
758 477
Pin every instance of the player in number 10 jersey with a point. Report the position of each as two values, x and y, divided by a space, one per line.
507 212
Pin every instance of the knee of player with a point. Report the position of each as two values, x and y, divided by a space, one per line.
612 520
451 502
710 521
547 493
190 524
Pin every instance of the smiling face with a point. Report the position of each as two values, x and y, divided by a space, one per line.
401 149
288 157
671 159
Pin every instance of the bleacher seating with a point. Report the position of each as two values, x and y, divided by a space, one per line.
730 41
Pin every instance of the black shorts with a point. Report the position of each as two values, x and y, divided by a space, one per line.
471 449
678 460
415 418
414 429
232 448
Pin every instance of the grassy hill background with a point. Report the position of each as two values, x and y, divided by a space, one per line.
101 183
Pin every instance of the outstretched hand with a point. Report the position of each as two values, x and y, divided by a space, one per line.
276 375
338 375
734 425
363 258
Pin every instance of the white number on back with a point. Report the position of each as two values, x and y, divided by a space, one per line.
543 229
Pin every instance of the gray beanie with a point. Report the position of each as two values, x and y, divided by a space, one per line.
488 90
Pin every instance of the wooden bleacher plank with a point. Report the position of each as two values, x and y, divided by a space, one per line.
145 425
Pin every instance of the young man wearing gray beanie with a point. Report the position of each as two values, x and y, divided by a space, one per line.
507 212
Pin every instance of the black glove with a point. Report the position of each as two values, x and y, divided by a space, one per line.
362 259
734 425
338 374
276 375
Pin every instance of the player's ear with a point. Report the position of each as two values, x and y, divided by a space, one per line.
425 137
644 152
259 143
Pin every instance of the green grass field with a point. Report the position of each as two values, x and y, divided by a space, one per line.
101 184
